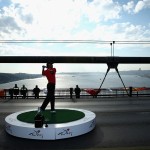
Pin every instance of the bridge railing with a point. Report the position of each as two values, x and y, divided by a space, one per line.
64 93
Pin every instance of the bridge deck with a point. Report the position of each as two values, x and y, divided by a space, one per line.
120 122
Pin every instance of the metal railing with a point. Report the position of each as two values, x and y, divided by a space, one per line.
65 93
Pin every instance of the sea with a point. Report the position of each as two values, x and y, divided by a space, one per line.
83 80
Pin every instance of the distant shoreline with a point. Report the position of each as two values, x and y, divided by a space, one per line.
146 76
12 77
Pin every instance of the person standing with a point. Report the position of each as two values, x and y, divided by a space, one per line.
71 92
11 92
50 73
36 92
24 91
16 91
77 91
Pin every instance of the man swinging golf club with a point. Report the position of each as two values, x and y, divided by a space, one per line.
50 73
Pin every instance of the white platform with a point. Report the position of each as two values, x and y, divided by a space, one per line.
54 131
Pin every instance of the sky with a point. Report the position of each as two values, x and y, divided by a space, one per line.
102 20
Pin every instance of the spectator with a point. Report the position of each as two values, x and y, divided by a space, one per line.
71 92
77 91
11 92
36 92
16 91
23 91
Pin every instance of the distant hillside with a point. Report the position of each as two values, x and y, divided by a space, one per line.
143 73
10 77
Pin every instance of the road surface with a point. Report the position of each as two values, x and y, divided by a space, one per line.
120 122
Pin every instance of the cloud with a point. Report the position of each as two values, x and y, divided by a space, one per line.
49 19
140 5
129 6
14 49
55 19
68 19
103 10
117 31
132 7
11 23
8 24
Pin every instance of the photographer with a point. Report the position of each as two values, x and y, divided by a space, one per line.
50 73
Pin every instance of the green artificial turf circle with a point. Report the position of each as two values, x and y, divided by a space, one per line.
61 116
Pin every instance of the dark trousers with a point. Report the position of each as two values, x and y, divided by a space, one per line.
50 97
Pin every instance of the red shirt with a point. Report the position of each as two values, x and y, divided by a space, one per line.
50 74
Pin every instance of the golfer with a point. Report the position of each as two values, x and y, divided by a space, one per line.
50 73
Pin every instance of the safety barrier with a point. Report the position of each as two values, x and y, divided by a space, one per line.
65 93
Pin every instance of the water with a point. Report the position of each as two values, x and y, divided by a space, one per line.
84 80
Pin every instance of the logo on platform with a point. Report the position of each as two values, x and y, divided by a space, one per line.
92 125
65 132
36 133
